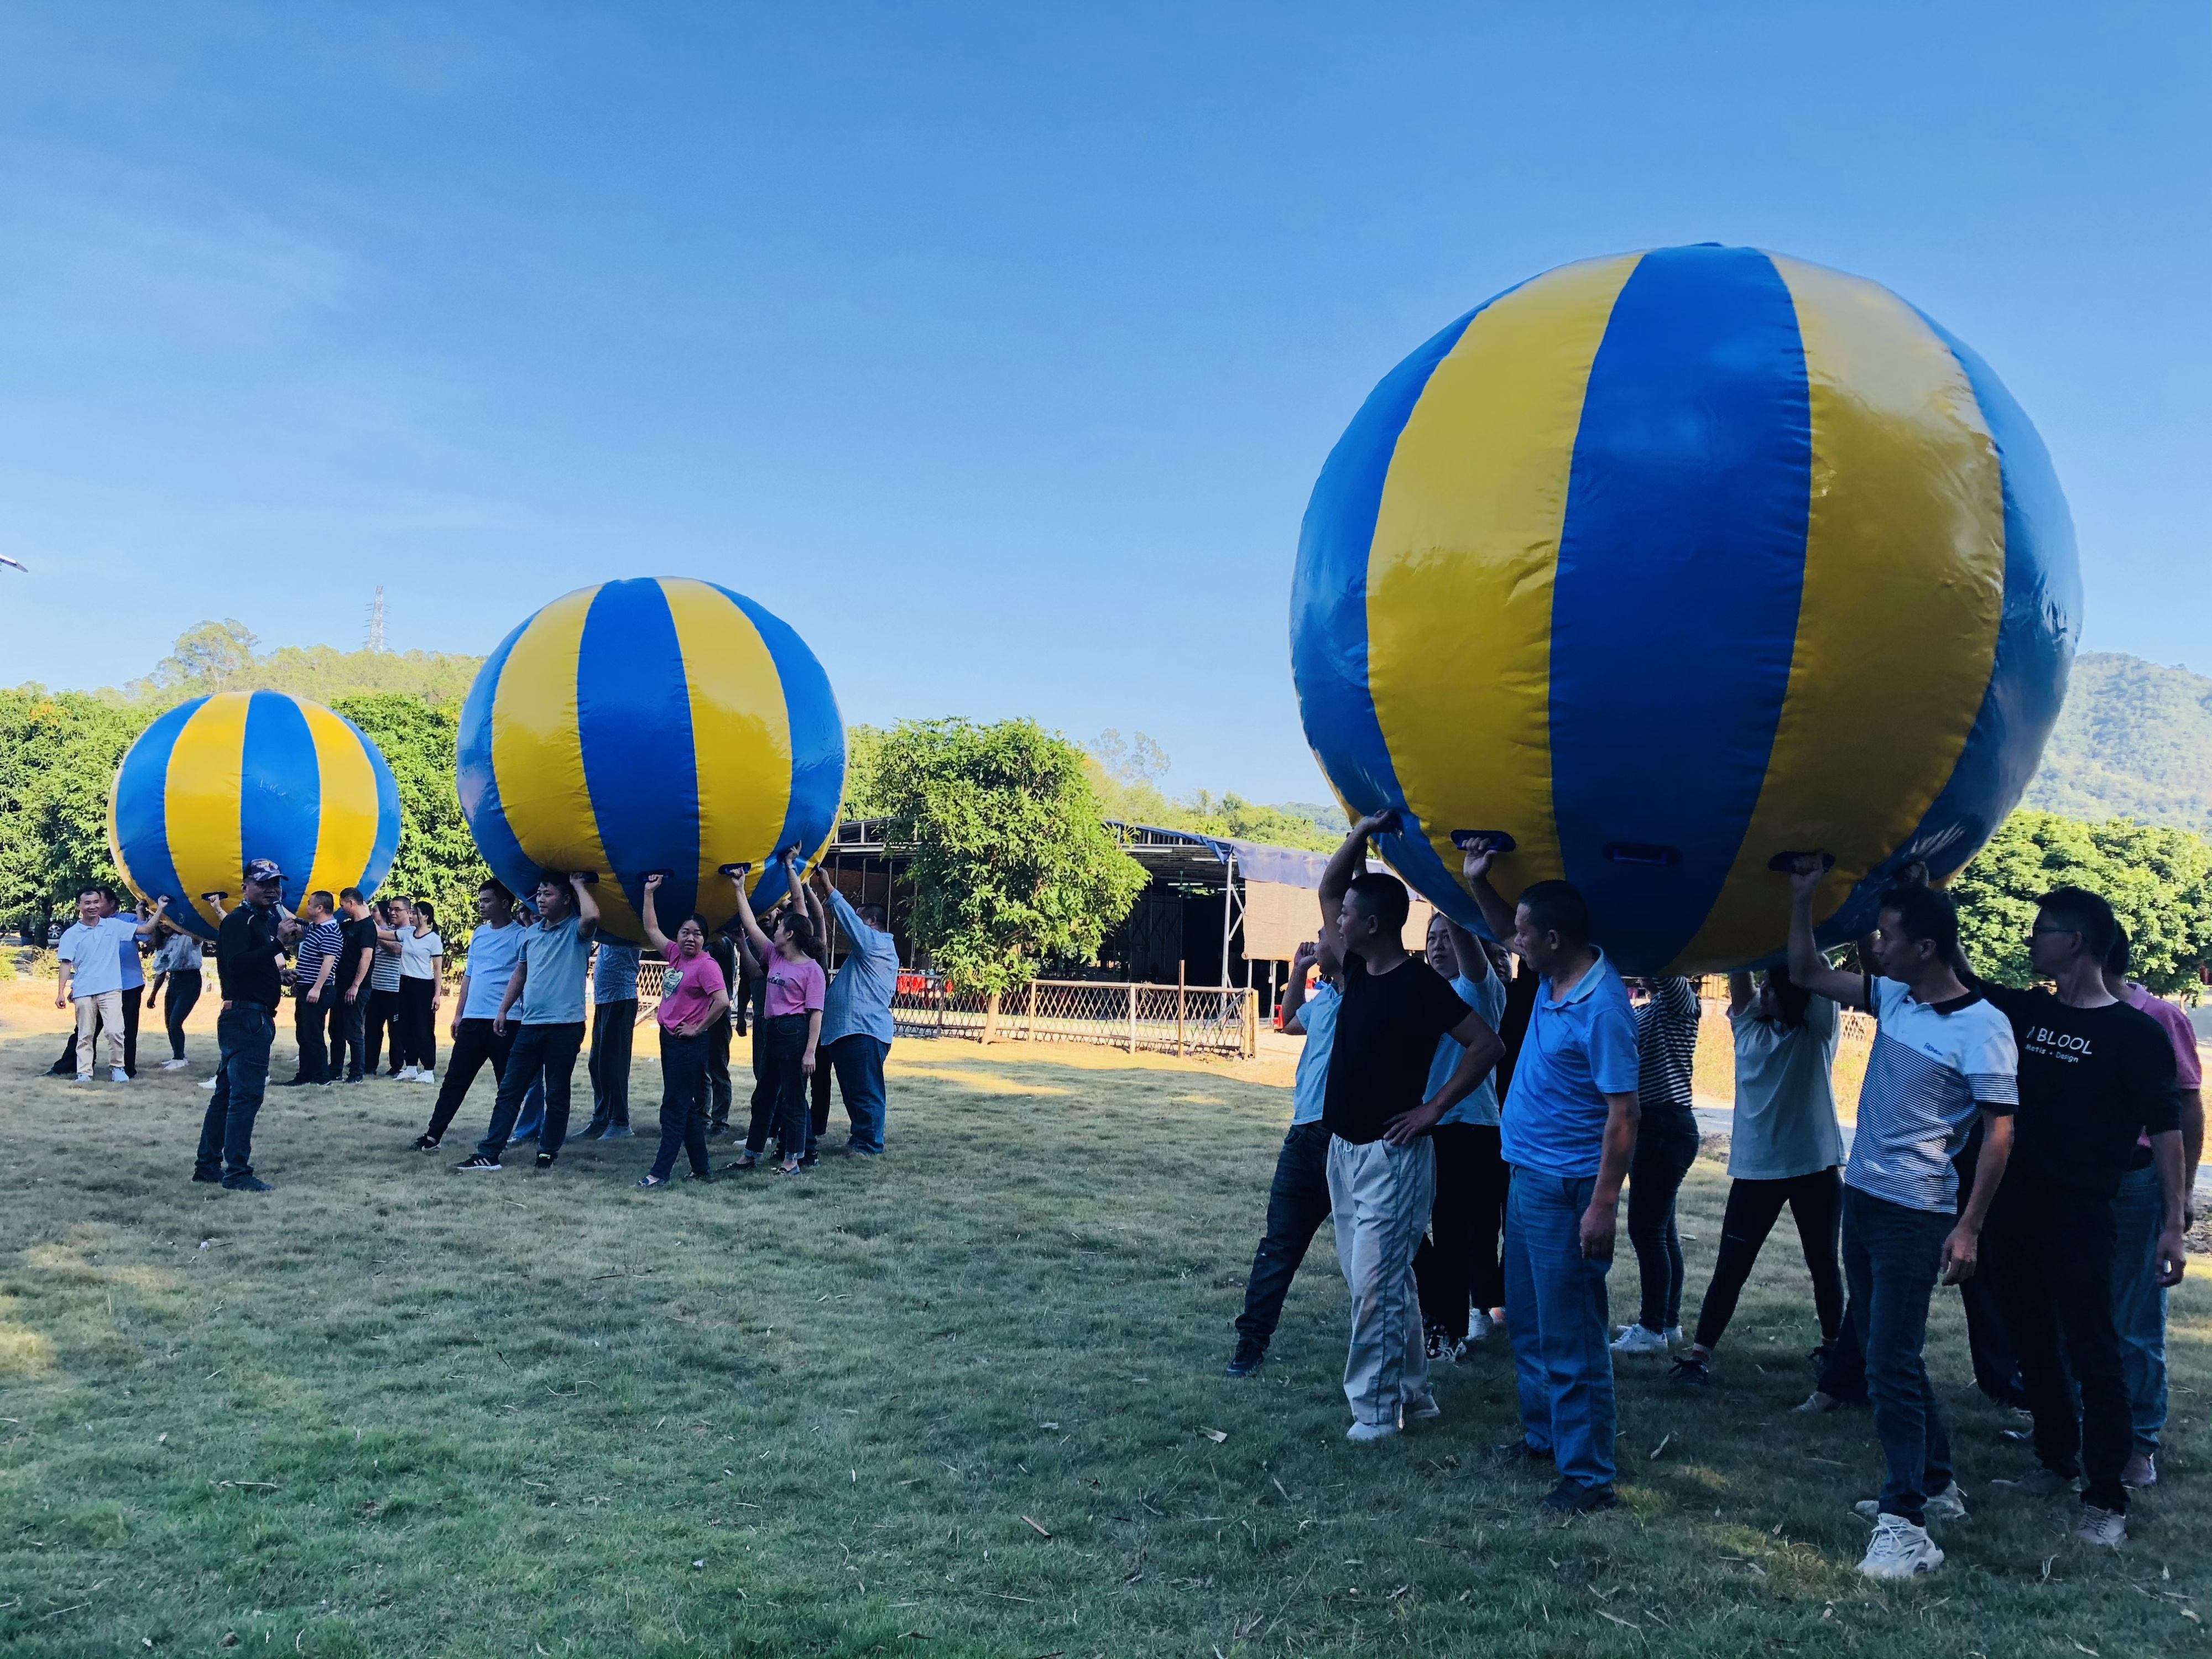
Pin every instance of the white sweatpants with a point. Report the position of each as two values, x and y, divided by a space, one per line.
1380 1196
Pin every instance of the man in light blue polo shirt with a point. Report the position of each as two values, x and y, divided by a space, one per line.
1569 1128
1298 1200
856 1014
494 949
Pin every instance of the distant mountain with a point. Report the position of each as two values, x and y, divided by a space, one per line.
2135 741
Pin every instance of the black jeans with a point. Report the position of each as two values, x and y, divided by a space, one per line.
683 1116
717 1076
552 1048
244 1032
418 1023
382 1017
347 1032
785 1038
310 1019
475 1043
1665 1149
1297 1204
180 997
2048 1251
1457 1262
612 1024
66 1066
817 1114
1997 1371
764 1097
1890 1258
1816 1202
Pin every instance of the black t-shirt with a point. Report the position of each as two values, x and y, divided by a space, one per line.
245 953
1519 1010
2091 1081
359 941
1387 1029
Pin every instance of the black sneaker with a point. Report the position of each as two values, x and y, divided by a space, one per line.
477 1161
545 1159
245 1183
809 1161
212 1177
700 1175
1572 1497
425 1143
716 1131
590 1132
1689 1372
1250 1354
1519 1451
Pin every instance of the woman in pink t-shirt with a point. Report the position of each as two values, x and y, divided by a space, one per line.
793 1023
693 996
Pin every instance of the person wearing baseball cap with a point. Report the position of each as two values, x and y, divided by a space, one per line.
249 963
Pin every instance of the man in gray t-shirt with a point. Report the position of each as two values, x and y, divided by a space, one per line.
547 990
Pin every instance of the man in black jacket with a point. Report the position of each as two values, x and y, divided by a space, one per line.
249 954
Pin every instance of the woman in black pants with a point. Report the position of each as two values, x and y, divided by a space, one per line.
177 964
1783 1149
421 971
695 999
1666 1147
793 1023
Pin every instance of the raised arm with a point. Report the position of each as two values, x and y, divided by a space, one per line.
1345 864
1739 993
587 908
1294 993
1807 966
653 936
1496 914
819 918
1474 960
763 948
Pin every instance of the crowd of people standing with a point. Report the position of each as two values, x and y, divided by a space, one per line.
1471 1133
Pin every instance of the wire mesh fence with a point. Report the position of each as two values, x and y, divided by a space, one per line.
1157 1019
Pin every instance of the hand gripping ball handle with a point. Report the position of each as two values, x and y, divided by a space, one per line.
1785 864
1484 840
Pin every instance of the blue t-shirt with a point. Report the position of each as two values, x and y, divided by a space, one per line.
1487 998
614 971
493 953
1578 1050
553 987
1309 1089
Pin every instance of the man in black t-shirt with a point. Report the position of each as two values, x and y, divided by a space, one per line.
249 949
2095 1074
349 985
1382 1165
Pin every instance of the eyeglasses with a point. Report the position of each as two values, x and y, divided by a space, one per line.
2040 928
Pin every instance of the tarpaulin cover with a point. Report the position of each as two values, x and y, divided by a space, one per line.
251 775
652 723
1667 562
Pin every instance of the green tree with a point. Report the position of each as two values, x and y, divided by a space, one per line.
225 656
1011 863
437 859
2158 881
58 754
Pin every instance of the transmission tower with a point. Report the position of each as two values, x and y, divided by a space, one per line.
376 621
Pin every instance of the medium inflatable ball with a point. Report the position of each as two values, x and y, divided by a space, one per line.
654 724
251 775
1667 564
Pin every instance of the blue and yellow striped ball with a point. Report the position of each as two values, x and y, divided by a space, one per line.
652 723
251 775
1669 562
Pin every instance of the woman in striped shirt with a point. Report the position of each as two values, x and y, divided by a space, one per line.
1666 1147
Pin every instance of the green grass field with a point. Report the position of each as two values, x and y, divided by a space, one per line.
963 1400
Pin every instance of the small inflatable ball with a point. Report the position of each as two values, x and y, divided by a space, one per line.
657 724
251 775
1668 563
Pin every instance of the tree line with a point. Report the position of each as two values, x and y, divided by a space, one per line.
1012 865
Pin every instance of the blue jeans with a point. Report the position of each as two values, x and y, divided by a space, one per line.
552 1050
1555 1307
243 1032
860 1062
1891 1258
2139 1303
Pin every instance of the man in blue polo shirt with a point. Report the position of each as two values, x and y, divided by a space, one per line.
494 949
856 1014
1569 1128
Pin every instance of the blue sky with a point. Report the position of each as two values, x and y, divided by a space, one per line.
995 348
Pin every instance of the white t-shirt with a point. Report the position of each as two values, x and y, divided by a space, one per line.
1785 1097
414 954
1932 1064
179 953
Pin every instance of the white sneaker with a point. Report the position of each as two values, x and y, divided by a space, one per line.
1635 1339
2104 1527
174 1065
1362 1433
1948 1504
408 1073
1674 1335
426 1077
1899 1550
210 1083
119 1075
1424 1406
84 1077
1477 1325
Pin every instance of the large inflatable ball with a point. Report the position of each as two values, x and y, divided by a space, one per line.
651 725
251 775
1667 564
